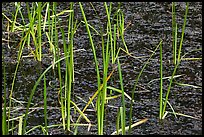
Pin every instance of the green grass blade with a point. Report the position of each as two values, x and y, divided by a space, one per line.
20 126
33 91
136 81
92 45
183 30
169 88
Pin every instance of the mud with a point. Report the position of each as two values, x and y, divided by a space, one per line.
150 22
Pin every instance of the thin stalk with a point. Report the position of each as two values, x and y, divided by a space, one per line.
15 73
135 85
114 43
183 30
71 64
174 32
92 98
66 79
14 20
121 26
33 91
38 47
46 15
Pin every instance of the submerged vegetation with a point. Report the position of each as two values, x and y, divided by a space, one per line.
43 25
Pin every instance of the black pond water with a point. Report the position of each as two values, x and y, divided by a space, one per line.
148 23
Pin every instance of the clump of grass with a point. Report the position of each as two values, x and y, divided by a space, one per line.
175 60
135 85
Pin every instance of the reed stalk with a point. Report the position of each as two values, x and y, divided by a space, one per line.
135 85
123 108
178 58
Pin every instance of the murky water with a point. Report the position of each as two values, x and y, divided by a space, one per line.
148 23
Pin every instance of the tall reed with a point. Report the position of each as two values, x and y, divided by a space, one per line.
162 114
96 64
70 65
135 85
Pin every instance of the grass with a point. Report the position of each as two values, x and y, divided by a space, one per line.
176 61
39 25
123 108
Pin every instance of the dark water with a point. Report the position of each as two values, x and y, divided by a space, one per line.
149 22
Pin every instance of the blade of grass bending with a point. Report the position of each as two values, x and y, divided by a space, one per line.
118 122
187 85
119 91
184 115
63 104
161 85
92 28
71 63
20 126
164 78
137 79
15 73
33 91
109 29
133 125
175 45
121 21
57 56
81 113
91 99
173 32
